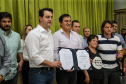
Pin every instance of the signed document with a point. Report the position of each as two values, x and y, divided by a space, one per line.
74 59
83 59
66 59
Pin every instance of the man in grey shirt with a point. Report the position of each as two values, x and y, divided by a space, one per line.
4 59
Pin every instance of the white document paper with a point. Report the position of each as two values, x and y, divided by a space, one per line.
83 59
66 59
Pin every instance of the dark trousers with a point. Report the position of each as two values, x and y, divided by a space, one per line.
80 77
64 77
95 81
111 76
12 81
25 74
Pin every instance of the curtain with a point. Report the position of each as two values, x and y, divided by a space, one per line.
90 13
121 19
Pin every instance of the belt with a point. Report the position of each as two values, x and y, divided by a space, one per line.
44 68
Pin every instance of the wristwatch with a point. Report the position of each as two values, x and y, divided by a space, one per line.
120 58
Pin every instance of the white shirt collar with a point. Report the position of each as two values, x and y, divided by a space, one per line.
61 30
42 29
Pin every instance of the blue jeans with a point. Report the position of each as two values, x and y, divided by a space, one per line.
41 76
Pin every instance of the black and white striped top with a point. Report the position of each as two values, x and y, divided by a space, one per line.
108 49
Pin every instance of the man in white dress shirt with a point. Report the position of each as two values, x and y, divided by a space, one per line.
40 46
68 39
76 27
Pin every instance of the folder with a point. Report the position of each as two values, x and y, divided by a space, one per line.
74 59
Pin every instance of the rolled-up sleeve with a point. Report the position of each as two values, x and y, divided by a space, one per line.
32 44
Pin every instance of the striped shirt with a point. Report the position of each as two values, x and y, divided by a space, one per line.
108 49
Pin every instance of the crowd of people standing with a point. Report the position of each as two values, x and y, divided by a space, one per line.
37 51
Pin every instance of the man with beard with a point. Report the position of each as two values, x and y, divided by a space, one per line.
86 32
13 44
39 43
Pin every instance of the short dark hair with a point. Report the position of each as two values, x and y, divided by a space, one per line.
104 22
41 11
123 29
114 22
62 16
90 37
75 21
5 15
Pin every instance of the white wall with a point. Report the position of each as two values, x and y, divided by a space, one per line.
119 4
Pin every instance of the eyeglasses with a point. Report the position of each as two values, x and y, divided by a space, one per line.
95 40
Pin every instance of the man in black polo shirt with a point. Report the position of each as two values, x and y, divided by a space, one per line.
108 46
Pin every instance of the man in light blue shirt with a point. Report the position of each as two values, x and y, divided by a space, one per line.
116 34
86 32
13 44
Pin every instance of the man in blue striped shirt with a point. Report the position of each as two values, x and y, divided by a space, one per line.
108 46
